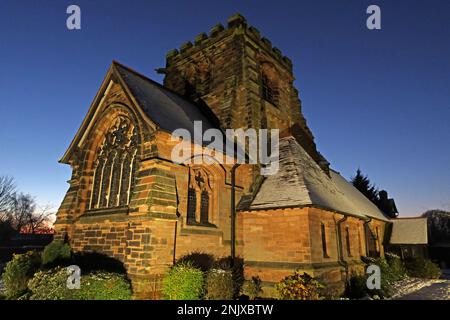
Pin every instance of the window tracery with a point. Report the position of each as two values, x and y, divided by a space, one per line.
115 166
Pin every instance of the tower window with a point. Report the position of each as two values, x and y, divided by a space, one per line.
269 90
324 241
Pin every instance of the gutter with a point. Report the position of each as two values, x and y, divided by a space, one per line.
366 226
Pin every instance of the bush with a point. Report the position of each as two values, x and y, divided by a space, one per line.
52 285
252 288
55 251
102 285
423 268
237 271
391 269
219 285
18 271
199 260
183 282
397 270
299 287
356 287
94 261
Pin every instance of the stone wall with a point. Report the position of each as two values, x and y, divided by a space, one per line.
279 241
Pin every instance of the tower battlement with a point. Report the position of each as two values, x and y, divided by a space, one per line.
236 24
243 79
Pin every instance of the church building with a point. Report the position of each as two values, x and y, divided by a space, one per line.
128 200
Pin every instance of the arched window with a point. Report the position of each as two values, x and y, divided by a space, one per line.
115 166
199 197
204 209
269 84
347 240
324 241
371 241
192 205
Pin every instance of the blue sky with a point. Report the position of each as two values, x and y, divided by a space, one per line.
378 100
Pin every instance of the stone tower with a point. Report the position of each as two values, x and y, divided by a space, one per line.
243 79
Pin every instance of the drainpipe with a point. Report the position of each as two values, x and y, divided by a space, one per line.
233 213
341 260
366 227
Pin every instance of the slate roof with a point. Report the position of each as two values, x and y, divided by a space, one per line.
301 182
164 107
409 231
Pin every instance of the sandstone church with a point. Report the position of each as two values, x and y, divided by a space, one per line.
128 200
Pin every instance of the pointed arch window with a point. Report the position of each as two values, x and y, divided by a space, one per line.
200 195
115 166
269 84
192 205
204 208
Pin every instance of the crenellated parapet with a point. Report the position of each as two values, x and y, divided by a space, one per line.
236 24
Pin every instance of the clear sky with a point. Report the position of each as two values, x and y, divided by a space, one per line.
378 100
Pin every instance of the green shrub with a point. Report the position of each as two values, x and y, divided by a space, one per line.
219 285
391 269
423 268
199 260
17 273
183 282
299 287
397 270
52 285
56 250
237 271
252 288
95 261
102 285
332 291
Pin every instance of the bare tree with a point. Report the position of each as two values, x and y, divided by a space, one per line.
40 219
25 216
7 190
21 210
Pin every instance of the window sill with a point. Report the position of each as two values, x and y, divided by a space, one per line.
201 225
107 211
